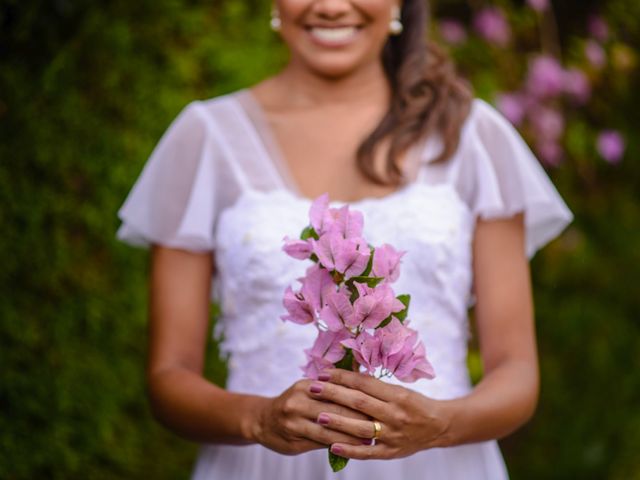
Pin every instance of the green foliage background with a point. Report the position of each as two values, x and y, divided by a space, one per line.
87 88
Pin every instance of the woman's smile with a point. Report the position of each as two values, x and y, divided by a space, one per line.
334 36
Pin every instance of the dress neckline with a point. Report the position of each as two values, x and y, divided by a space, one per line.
256 119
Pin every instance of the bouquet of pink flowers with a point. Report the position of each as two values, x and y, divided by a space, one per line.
347 294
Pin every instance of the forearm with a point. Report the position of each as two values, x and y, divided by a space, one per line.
198 410
504 400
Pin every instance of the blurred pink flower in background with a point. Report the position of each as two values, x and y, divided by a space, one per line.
452 31
513 107
598 28
538 5
611 146
491 24
577 86
595 54
547 123
550 152
546 77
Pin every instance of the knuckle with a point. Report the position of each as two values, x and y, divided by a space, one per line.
360 402
401 418
365 431
402 395
357 382
289 427
289 406
301 385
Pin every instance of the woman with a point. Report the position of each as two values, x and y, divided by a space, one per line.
367 112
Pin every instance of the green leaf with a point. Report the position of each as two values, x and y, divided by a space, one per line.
385 322
308 233
337 462
347 361
402 314
370 281
367 270
354 292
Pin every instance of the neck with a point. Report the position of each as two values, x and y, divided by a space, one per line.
305 88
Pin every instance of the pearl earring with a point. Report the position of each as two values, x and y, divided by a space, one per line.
395 26
275 23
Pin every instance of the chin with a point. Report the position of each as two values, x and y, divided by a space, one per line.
334 64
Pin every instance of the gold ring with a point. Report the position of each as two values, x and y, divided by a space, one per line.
377 428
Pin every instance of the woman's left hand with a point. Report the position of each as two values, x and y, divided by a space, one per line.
409 422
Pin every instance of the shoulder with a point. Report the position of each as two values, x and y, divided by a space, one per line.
484 119
202 111
488 137
219 105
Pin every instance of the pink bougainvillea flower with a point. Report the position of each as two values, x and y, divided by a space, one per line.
550 152
299 249
318 213
315 366
546 77
577 86
317 284
386 263
415 366
595 54
402 354
392 337
491 24
328 345
513 107
598 28
374 305
452 31
547 123
366 350
347 223
325 352
300 310
338 312
611 146
538 5
348 256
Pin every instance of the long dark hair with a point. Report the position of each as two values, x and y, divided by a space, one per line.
428 97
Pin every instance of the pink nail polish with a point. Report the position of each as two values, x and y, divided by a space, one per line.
315 388
323 419
337 449
366 441
324 377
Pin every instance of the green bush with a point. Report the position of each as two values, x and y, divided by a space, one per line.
87 88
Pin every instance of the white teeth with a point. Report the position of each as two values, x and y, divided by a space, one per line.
334 34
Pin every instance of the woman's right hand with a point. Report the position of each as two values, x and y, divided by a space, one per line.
287 423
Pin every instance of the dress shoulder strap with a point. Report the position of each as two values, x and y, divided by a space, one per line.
238 140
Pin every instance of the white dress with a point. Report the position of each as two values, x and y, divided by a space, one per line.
216 182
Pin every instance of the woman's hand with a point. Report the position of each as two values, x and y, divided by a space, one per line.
409 421
287 423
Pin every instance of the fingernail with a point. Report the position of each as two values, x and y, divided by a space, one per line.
315 388
324 377
323 419
366 441
337 449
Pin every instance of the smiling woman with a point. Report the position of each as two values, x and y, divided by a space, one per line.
369 112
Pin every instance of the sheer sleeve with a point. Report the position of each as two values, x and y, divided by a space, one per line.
499 176
173 202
